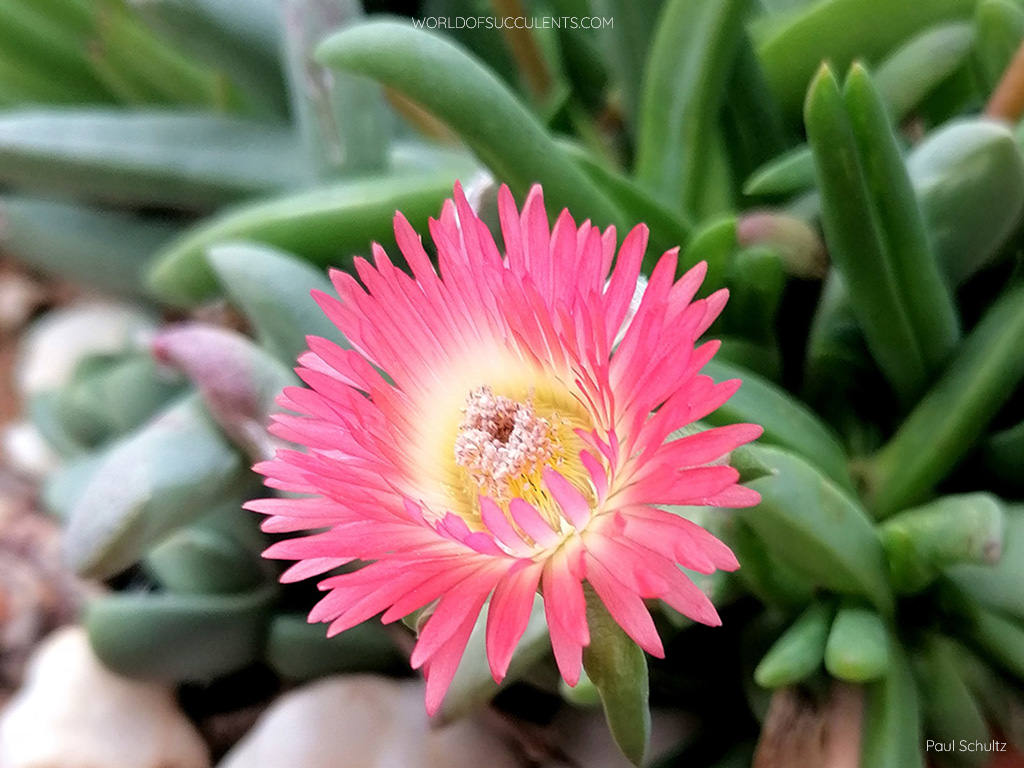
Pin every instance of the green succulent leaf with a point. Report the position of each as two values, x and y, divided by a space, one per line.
951 713
453 85
96 247
108 397
969 178
772 580
997 585
1000 29
42 60
756 282
1004 455
149 484
804 519
986 371
953 529
618 669
137 65
185 160
876 233
799 652
584 694
857 649
241 41
325 226
892 717
715 243
272 289
792 171
64 485
179 637
211 556
920 65
668 229
792 46
904 79
1001 637
998 698
681 97
787 422
300 651
755 357
628 44
342 119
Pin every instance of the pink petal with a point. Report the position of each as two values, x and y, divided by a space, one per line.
528 518
574 504
499 525
626 607
508 615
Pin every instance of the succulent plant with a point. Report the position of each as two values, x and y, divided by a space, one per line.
865 214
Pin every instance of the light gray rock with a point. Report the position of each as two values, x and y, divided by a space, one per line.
53 346
361 721
74 713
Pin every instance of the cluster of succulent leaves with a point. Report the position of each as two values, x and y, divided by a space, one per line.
182 153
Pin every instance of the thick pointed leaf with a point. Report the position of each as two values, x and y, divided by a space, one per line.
272 289
997 586
876 234
925 295
454 86
149 484
104 249
325 226
787 422
953 529
857 649
985 372
892 718
618 669
791 46
799 652
185 160
904 79
807 521
299 651
177 638
681 96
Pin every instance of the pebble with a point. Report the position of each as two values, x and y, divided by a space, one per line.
53 346
74 713
362 721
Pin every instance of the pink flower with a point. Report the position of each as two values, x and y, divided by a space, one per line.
514 448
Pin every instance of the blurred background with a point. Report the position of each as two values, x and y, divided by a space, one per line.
175 177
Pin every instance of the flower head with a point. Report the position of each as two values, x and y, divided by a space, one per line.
519 441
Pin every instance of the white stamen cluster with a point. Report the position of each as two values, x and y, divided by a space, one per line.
500 439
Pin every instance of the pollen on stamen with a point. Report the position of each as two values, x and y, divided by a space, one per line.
501 439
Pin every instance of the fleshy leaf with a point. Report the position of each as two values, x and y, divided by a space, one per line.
618 669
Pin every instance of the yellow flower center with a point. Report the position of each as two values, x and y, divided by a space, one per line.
503 445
